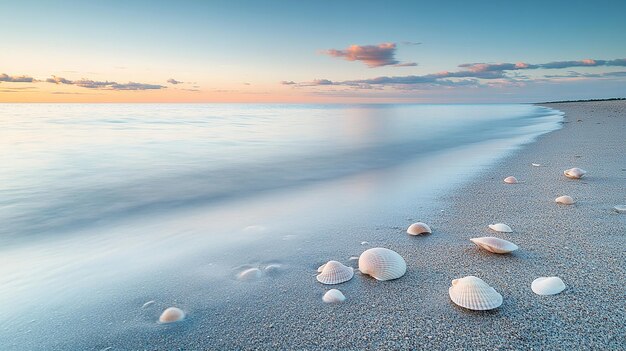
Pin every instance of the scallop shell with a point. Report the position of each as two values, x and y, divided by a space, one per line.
574 173
564 200
510 180
171 315
382 264
495 245
250 274
334 272
500 227
474 294
547 285
620 208
333 296
418 228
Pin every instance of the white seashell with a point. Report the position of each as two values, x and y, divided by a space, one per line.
500 227
536 164
272 268
334 272
364 243
574 173
564 200
547 285
382 264
418 228
250 274
474 294
148 304
333 296
495 245
321 268
172 314
510 180
620 208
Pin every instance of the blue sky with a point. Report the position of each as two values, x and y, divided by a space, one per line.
243 50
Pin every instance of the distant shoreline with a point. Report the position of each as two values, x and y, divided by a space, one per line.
587 100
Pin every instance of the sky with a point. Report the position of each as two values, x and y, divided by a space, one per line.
311 51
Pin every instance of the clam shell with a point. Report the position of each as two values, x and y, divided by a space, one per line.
564 200
333 296
334 272
250 274
382 264
574 173
510 180
474 294
418 228
620 208
547 285
171 315
495 245
500 227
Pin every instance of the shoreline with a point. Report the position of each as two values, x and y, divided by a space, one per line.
415 311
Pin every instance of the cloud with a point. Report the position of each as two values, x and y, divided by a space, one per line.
372 55
573 74
287 82
174 81
16 79
58 80
104 85
568 64
494 67
135 86
495 74
411 43
406 64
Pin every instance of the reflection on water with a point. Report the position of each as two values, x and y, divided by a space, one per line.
110 206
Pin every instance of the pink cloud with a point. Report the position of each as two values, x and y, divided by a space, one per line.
372 55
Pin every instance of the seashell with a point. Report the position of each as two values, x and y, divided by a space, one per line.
547 285
321 268
474 294
148 304
574 173
536 164
495 245
334 272
171 315
272 268
364 243
501 227
564 200
382 264
250 274
620 208
333 296
418 228
510 180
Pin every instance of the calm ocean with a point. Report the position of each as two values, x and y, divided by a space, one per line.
95 199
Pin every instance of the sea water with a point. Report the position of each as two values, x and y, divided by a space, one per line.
105 205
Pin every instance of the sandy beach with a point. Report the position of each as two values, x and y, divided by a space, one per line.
177 260
583 244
